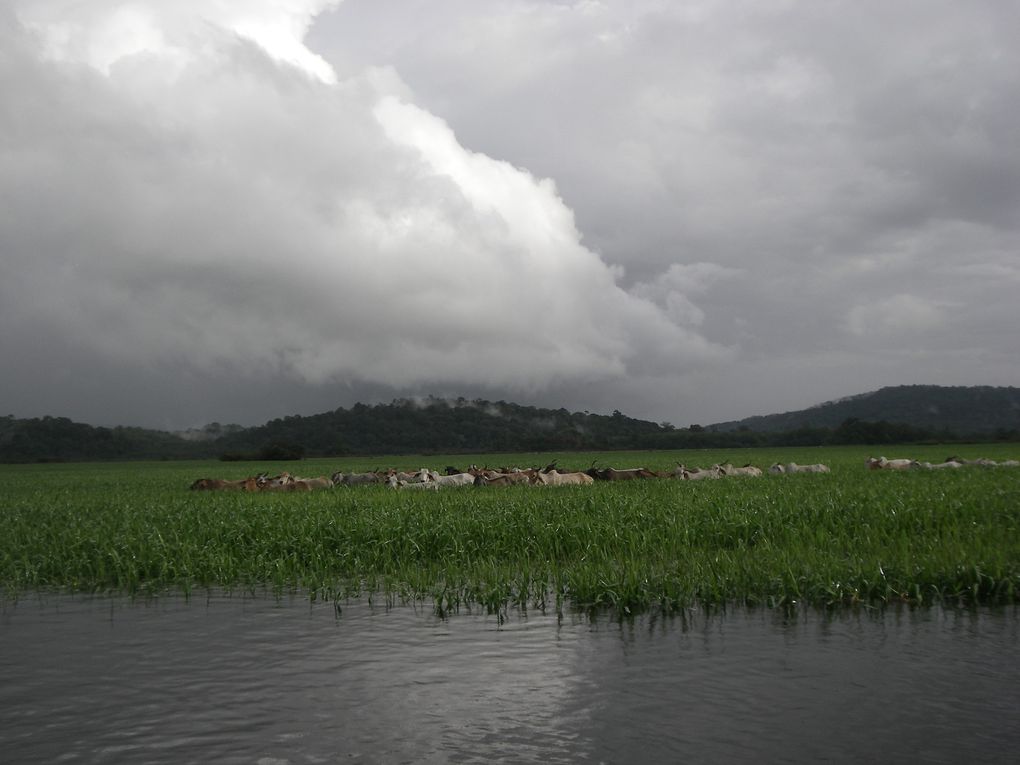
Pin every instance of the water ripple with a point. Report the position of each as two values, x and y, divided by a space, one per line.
244 680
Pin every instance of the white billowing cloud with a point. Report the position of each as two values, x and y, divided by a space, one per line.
102 32
187 184
836 155
529 209
755 206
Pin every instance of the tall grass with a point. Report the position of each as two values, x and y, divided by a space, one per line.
850 537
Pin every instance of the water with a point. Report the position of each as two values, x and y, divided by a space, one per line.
263 681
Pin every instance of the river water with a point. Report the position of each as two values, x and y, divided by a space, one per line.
271 681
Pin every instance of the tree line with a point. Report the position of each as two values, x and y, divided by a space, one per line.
433 426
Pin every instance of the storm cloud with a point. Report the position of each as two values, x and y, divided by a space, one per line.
690 212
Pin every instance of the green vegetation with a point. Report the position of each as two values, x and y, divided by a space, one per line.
850 537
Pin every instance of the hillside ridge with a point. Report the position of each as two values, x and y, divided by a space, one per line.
431 425
958 409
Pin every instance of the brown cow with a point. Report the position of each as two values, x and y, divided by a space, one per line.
612 474
220 484
505 479
319 482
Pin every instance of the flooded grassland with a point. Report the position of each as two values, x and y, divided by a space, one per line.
848 537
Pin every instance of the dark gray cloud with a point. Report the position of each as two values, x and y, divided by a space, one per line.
690 212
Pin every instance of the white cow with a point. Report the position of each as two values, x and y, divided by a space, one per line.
356 479
747 470
556 478
418 476
793 467
985 462
394 483
948 464
881 463
457 479
697 474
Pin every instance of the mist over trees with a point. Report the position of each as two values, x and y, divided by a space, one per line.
53 439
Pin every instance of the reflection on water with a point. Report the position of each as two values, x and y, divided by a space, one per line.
256 680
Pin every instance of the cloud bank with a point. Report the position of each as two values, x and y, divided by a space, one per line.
852 164
191 183
691 212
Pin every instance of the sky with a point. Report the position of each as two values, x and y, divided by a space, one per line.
690 212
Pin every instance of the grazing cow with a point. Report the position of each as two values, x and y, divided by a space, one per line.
357 479
950 464
428 486
320 482
556 478
699 474
746 470
220 484
296 485
881 463
287 482
394 483
419 476
504 479
485 472
793 467
984 462
681 471
265 482
454 479
612 474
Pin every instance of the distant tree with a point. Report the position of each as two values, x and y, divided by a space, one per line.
281 451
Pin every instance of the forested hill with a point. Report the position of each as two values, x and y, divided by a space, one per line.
401 427
53 439
437 426
975 409
440 425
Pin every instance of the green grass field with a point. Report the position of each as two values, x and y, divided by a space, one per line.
850 537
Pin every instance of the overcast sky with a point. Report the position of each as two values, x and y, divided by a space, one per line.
690 212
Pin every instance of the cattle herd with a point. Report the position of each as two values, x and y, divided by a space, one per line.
881 463
426 479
